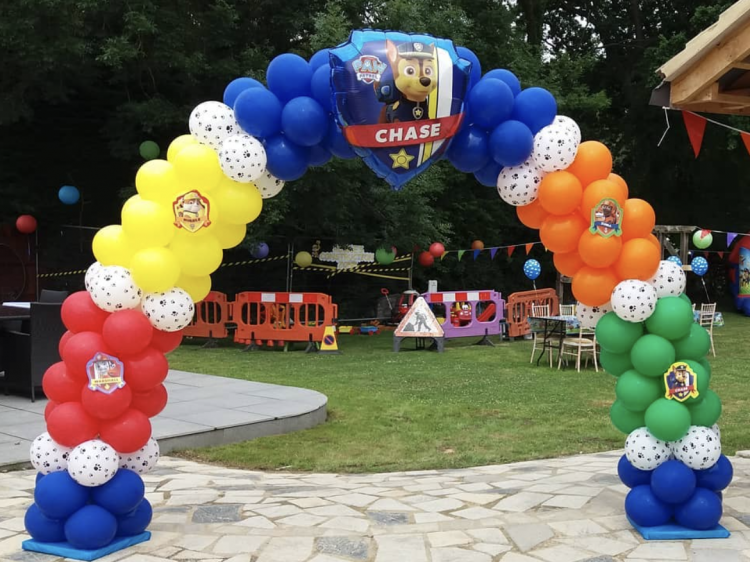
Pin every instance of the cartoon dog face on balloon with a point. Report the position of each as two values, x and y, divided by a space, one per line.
415 77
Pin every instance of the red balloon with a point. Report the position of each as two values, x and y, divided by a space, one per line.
426 259
146 371
81 349
26 224
437 249
59 387
127 332
166 341
80 314
48 409
69 425
104 406
63 342
127 433
151 403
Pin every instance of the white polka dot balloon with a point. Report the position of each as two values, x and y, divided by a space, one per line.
93 463
170 311
556 145
242 158
634 300
112 288
142 460
47 456
716 430
700 449
91 274
211 122
644 451
268 185
669 280
588 316
519 185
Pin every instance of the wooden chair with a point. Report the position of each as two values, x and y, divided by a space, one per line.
706 319
585 343
567 310
537 310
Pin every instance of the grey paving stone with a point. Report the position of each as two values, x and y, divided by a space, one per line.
222 418
604 559
226 513
715 555
343 546
26 556
529 535
386 518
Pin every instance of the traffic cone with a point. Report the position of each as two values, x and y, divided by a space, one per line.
329 345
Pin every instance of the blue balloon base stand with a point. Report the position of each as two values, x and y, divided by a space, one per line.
66 551
678 533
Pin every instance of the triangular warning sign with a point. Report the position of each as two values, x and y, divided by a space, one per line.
419 322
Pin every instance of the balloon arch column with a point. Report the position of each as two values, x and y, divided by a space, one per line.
400 102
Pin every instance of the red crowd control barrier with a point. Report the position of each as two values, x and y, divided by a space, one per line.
211 317
277 318
519 309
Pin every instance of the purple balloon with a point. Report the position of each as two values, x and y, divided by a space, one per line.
260 251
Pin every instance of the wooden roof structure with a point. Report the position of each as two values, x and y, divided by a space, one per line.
712 73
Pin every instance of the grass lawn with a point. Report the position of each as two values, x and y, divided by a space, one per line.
469 406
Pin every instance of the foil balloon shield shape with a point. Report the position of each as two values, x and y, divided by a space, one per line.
398 99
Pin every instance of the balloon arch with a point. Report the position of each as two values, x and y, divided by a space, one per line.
399 102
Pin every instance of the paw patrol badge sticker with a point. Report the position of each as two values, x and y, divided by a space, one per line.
606 218
681 382
106 373
192 211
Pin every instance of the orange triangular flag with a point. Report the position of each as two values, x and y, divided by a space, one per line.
511 249
746 140
528 248
696 127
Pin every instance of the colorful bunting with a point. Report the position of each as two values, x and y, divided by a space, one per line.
746 139
461 254
493 251
528 247
511 249
730 238
476 253
696 128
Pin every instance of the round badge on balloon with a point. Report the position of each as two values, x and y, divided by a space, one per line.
211 122
532 269
93 463
588 316
47 456
633 300
170 311
242 158
700 449
112 288
669 280
519 185
268 185
644 451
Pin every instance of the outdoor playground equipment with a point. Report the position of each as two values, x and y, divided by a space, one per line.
479 313
739 274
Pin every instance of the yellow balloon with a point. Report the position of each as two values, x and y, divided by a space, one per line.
198 167
155 270
148 223
112 247
303 259
157 180
230 235
197 256
178 144
196 287
239 203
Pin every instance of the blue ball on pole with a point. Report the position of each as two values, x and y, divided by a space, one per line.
90 527
645 509
535 107
511 143
675 259
699 265
632 476
68 194
468 151
673 482
237 86
288 76
304 121
532 269
258 112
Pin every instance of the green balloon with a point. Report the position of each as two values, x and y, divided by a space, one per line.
707 411
384 257
672 318
668 420
703 379
702 242
652 355
637 392
615 363
149 150
694 345
706 365
684 297
617 335
625 420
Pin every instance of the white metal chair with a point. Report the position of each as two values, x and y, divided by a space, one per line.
537 310
706 319
567 310
577 347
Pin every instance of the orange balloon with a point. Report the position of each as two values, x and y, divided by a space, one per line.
477 245
561 233
532 215
639 259
568 264
619 181
560 193
593 162
598 251
655 241
598 191
638 219
592 286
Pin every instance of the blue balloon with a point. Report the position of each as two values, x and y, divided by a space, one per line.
90 527
536 108
319 59
304 121
675 259
289 77
135 522
632 476
260 251
59 496
645 509
476 67
69 195
532 269
506 76
699 266
717 477
469 150
321 87
121 494
701 512
41 527
39 476
258 112
337 144
487 176
237 86
491 103
673 482
511 143
286 160
319 155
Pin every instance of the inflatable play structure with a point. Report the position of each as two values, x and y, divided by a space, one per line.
400 102
739 274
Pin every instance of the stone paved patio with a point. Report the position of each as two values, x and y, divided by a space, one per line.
559 510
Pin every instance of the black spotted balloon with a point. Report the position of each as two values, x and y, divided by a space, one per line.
669 280
47 456
242 158
519 185
644 451
142 460
268 185
112 288
634 300
556 145
699 449
211 122
93 463
170 311
588 316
